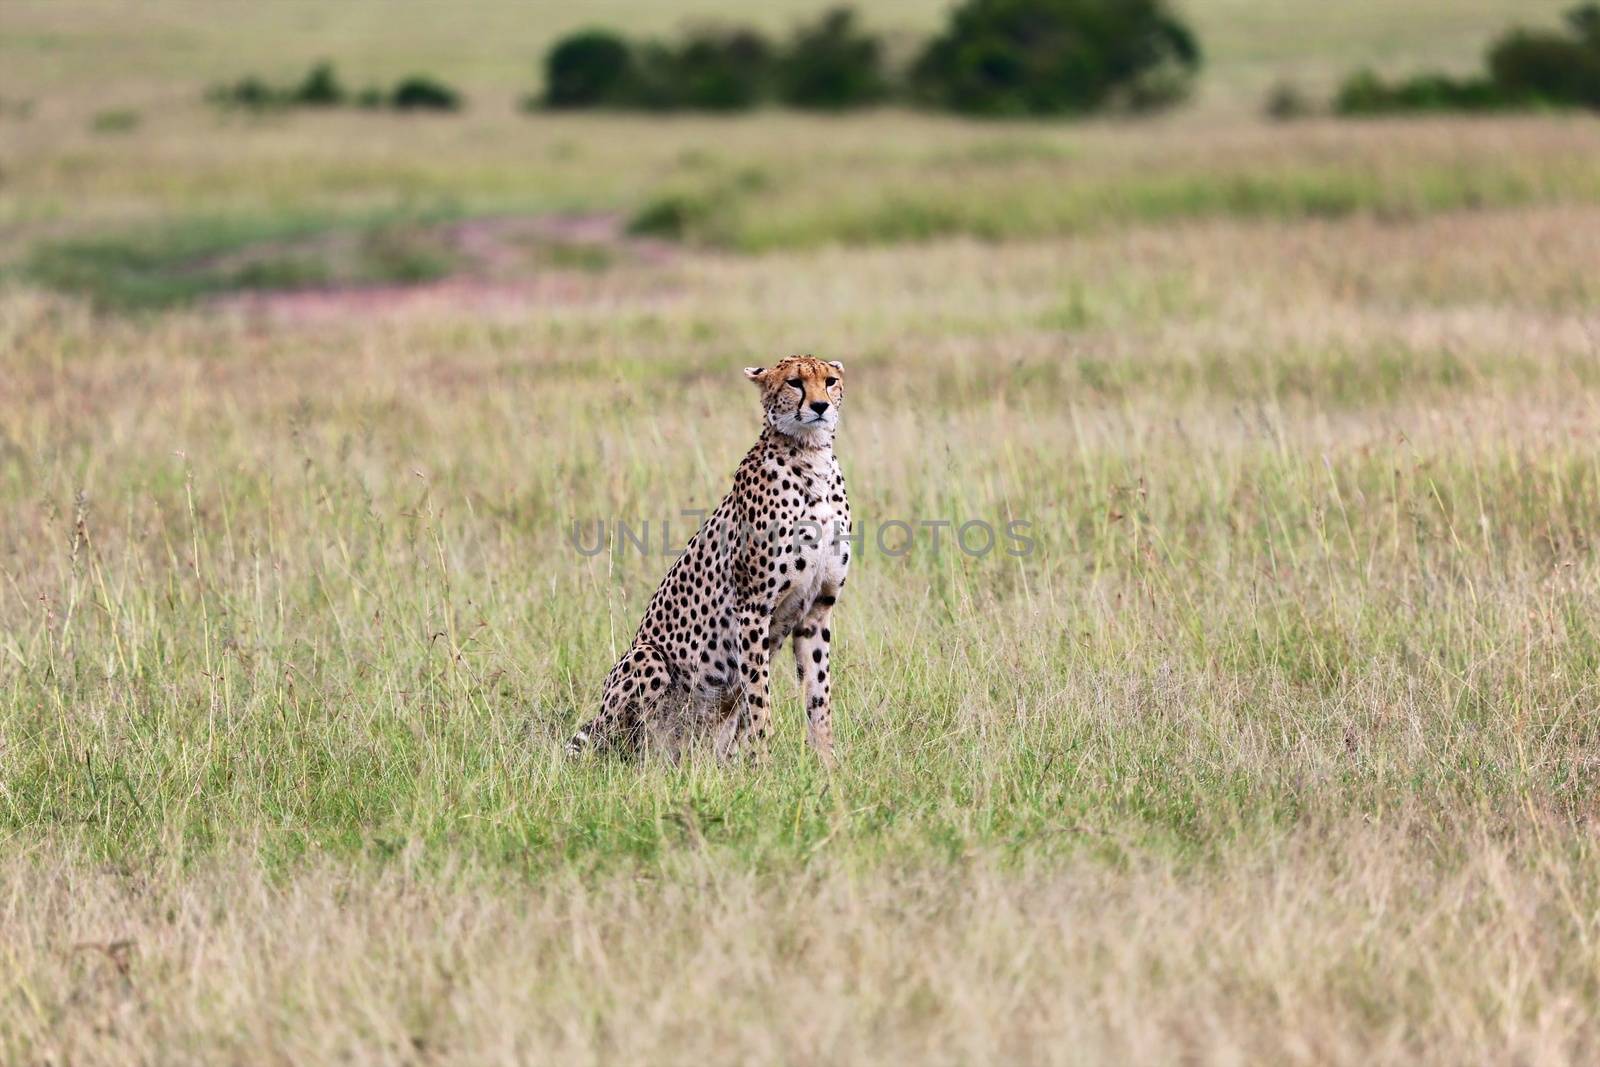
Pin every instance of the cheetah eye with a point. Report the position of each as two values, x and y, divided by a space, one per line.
831 382
797 383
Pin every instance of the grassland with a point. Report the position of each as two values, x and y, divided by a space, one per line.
180 202
1279 747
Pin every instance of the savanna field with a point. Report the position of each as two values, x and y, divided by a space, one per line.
1279 746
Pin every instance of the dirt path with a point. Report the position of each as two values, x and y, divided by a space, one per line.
501 263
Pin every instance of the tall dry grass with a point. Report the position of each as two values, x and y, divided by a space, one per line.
1279 747
1353 941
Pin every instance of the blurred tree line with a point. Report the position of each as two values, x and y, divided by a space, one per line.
995 57
321 88
1523 68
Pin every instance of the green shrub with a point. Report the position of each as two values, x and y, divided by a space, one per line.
674 216
1047 57
707 214
1526 68
1585 22
831 65
655 81
997 57
720 69
115 121
592 68
421 93
1364 93
320 88
1286 102
250 93
1548 67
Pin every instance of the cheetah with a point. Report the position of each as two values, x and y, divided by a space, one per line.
767 565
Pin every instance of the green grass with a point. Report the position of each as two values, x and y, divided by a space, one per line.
190 258
1278 748
1307 636
1059 206
115 121
268 205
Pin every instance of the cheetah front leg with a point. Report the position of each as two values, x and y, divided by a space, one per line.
812 639
755 643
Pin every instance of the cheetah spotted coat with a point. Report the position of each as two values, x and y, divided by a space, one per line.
767 565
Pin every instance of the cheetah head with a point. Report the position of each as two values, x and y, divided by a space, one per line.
801 395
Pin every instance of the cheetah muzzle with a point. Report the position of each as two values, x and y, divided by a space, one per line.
767 565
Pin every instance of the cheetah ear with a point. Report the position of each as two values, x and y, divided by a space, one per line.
754 373
836 365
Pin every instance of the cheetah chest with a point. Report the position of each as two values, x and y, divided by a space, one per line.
818 557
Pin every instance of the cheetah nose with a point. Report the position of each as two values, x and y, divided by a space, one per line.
819 406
